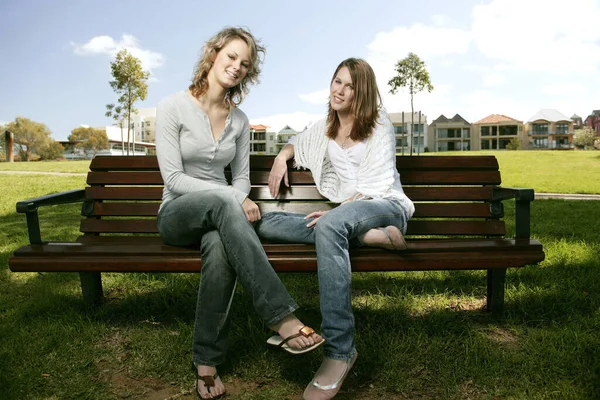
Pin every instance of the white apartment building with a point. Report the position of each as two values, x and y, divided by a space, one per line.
408 136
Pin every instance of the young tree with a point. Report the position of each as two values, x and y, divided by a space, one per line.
118 115
130 84
89 139
30 137
412 74
584 137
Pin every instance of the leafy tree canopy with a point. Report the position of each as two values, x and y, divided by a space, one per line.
89 139
30 136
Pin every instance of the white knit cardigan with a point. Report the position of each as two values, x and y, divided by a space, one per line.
377 171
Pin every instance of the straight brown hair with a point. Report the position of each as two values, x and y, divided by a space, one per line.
366 104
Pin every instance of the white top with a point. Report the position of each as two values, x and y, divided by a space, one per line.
189 157
377 173
346 163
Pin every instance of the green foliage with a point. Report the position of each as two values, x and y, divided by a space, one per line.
514 144
129 82
89 140
30 136
584 138
52 151
411 73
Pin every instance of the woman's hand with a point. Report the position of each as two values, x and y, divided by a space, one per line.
251 210
278 172
316 215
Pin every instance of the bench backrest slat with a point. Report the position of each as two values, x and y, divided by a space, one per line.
452 194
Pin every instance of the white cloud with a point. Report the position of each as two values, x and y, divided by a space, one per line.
296 120
439 20
317 97
108 46
540 35
494 79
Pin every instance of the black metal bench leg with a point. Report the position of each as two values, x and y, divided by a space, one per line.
495 290
91 287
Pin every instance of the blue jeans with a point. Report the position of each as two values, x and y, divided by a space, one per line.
333 235
230 250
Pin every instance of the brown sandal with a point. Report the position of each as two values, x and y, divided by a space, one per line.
279 342
209 381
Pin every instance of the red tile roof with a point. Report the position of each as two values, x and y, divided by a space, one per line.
259 127
496 118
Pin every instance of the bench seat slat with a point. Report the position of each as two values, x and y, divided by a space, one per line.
498 253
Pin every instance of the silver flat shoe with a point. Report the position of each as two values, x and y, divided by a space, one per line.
314 391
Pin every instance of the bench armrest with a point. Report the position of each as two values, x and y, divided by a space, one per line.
523 198
30 209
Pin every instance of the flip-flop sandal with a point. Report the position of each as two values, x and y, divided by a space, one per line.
278 342
209 381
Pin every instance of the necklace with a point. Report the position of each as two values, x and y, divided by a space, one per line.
346 138
344 142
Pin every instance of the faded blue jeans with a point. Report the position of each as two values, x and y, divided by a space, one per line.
333 235
230 250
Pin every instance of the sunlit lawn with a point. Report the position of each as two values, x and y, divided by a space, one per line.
420 335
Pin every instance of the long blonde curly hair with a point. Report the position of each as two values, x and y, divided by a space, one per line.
236 94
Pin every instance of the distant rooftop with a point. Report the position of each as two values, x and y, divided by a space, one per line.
549 114
287 129
456 118
259 127
495 119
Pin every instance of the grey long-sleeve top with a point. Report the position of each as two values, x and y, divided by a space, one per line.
189 158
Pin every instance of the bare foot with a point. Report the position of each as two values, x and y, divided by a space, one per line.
389 238
208 383
290 325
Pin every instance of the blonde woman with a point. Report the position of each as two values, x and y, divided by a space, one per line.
199 132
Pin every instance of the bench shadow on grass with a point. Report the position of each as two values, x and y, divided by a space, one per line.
557 292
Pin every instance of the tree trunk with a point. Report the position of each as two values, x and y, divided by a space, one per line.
412 123
122 139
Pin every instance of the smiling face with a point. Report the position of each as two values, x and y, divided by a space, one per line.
341 91
231 64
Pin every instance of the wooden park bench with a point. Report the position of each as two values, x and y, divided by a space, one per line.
458 223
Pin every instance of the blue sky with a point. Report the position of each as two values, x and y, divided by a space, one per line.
509 57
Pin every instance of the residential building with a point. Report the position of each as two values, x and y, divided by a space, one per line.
577 122
283 136
496 131
142 126
549 129
452 134
593 121
258 139
408 135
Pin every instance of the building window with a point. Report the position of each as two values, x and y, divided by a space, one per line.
562 129
399 129
540 143
539 129
509 130
260 146
489 144
485 131
466 133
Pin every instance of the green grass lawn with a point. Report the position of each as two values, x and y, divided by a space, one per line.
420 335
